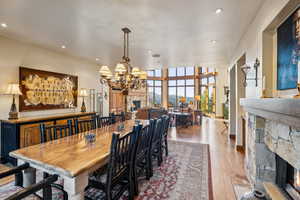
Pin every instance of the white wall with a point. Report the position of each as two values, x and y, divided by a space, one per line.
251 42
14 54
251 45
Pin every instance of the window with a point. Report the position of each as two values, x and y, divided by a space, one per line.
181 71
154 88
208 91
179 86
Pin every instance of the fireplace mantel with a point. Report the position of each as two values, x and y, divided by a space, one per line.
283 110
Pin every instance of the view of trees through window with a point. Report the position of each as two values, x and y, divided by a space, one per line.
154 88
181 84
208 90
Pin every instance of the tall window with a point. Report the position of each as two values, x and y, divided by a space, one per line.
208 90
154 88
181 84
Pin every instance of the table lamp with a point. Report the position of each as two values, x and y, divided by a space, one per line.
13 89
83 93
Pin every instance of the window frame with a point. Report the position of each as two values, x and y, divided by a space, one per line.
178 78
155 78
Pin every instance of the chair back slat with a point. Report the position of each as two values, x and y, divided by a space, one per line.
53 132
85 125
103 121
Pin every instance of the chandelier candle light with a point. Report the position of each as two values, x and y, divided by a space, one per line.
14 90
125 76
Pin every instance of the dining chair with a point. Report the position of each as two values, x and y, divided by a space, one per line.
53 132
116 178
156 145
102 122
15 191
142 163
84 125
165 134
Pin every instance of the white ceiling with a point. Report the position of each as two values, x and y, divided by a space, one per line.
180 30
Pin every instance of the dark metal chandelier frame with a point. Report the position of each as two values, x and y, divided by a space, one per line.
126 77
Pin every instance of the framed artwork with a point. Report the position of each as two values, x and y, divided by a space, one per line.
43 90
288 51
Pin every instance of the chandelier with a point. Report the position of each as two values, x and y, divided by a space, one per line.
125 76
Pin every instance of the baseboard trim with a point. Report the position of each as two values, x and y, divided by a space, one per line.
232 137
240 148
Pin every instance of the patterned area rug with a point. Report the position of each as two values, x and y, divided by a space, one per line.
184 175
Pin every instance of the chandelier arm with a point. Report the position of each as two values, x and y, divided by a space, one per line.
127 56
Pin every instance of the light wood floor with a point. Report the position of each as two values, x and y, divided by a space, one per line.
227 163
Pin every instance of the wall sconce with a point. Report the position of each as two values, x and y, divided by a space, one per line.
245 69
226 92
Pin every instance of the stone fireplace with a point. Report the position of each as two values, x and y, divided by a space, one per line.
136 99
273 147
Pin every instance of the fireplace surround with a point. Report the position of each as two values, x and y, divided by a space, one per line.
287 178
273 145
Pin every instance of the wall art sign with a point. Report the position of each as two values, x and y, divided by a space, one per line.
43 90
288 52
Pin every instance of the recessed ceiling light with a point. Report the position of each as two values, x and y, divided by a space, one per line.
97 59
3 25
219 10
63 46
213 41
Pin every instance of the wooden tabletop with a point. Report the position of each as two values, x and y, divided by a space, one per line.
71 155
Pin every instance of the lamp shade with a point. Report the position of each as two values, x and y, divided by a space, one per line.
104 70
83 92
135 72
143 75
182 99
197 98
120 68
13 89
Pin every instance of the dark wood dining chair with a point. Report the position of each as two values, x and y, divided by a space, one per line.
103 121
15 191
165 134
156 145
117 176
53 132
142 157
85 125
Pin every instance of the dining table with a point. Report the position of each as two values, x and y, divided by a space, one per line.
72 157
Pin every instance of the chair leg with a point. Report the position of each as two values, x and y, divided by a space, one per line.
166 146
131 190
148 169
150 164
160 153
135 185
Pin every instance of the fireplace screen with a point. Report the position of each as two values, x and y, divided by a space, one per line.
288 178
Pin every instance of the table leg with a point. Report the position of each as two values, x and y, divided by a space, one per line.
29 175
75 186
